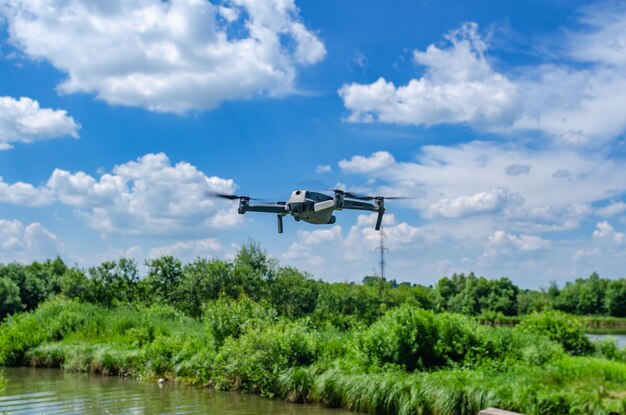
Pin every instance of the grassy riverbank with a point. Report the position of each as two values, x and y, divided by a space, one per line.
410 361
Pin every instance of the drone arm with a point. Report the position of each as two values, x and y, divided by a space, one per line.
354 205
378 207
269 208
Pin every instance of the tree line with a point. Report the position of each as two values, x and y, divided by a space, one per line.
292 292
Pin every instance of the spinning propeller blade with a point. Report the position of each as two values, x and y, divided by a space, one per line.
229 197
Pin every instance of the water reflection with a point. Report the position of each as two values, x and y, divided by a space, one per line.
51 391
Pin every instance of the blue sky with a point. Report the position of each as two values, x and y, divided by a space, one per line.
504 119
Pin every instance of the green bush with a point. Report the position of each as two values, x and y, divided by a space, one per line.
254 361
560 327
417 339
226 317
406 336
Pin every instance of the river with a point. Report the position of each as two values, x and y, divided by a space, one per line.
621 338
52 391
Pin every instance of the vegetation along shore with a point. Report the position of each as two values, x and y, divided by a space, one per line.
378 347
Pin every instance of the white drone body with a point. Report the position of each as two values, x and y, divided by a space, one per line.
314 207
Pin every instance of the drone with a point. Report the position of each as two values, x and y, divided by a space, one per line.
313 207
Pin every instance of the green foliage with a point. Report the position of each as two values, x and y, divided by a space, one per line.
417 339
36 281
9 297
203 281
293 293
471 295
560 327
584 296
406 336
376 347
161 284
615 298
226 317
254 361
113 282
346 305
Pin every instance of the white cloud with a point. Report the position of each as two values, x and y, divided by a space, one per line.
612 209
24 121
492 201
360 164
501 239
144 197
323 168
24 194
577 98
503 245
465 180
319 236
188 250
605 231
167 56
459 86
27 243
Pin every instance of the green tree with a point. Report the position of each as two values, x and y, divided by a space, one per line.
161 285
615 299
202 281
114 282
253 271
75 284
584 296
9 297
344 304
293 293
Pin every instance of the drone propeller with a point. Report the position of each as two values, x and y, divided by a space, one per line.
357 196
229 197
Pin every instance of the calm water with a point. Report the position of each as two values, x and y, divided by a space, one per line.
621 338
51 391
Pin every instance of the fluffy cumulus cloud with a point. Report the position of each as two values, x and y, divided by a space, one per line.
24 121
170 56
24 194
459 86
576 99
144 197
605 231
26 243
362 164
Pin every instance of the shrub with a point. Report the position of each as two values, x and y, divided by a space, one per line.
417 339
406 336
226 317
254 361
560 327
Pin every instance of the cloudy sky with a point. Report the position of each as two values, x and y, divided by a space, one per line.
505 120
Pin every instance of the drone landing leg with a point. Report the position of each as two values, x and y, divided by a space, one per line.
379 220
280 223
